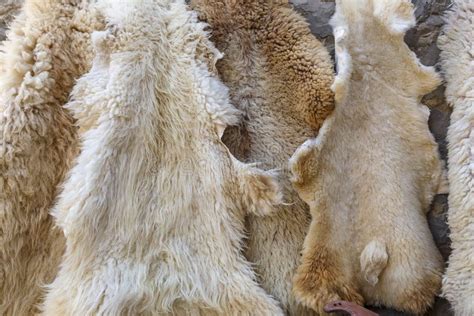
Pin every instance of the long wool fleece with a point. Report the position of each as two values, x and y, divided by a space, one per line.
8 9
370 175
47 49
279 75
457 60
153 211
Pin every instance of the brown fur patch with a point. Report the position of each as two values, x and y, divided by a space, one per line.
279 76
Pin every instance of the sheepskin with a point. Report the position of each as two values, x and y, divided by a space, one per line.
458 66
153 211
46 50
370 175
8 9
279 75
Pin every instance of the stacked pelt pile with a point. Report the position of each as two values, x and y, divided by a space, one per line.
213 157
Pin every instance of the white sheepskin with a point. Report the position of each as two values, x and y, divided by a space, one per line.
457 60
153 211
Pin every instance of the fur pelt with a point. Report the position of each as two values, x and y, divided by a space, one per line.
370 175
458 66
153 211
8 9
46 51
279 75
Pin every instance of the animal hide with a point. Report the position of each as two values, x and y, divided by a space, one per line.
279 75
8 9
370 175
458 65
46 50
153 211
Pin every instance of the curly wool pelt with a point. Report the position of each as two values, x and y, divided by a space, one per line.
153 210
457 60
279 75
8 9
370 175
47 49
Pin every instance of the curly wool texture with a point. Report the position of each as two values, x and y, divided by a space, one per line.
279 75
370 175
47 48
153 211
458 66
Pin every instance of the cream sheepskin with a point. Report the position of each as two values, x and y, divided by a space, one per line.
8 9
458 65
46 50
279 75
153 211
370 175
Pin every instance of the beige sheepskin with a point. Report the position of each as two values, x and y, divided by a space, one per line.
279 75
8 9
46 50
153 210
457 60
370 175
